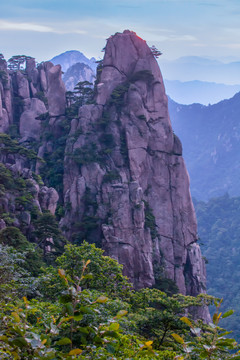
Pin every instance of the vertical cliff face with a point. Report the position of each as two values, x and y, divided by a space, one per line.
125 182
24 95
125 185
27 98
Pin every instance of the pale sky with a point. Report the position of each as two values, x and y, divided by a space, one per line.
45 28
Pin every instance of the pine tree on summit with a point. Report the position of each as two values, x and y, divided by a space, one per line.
15 62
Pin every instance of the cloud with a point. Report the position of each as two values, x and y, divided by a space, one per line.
24 26
231 46
7 25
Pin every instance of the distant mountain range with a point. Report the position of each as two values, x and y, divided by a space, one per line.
72 57
76 67
187 79
78 72
191 68
199 91
211 145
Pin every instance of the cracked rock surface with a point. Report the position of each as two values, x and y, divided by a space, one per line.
134 186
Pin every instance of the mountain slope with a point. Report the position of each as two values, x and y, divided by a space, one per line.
72 57
210 137
219 231
76 73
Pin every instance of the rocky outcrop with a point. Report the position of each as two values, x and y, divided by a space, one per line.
48 198
56 92
30 99
5 98
125 185
30 125
26 95
22 197
125 182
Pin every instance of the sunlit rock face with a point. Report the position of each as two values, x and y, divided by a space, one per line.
133 183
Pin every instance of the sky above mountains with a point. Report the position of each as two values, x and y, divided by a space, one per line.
44 28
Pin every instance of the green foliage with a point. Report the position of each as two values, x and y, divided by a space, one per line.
53 168
118 94
24 200
13 237
156 53
105 272
48 234
41 96
13 273
219 229
212 343
157 315
150 221
82 94
9 146
72 329
104 121
164 284
94 314
86 154
111 176
17 62
6 177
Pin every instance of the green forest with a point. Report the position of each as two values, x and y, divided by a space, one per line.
72 302
60 311
65 301
219 231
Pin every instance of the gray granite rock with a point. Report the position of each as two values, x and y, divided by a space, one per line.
56 91
30 126
48 198
144 213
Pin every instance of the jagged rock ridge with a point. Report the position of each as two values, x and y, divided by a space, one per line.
125 185
139 188
26 98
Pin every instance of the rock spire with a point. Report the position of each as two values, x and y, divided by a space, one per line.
125 181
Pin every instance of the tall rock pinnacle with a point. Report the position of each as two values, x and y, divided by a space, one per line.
125 180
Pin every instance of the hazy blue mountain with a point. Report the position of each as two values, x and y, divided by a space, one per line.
219 231
199 91
211 145
72 57
78 72
190 68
